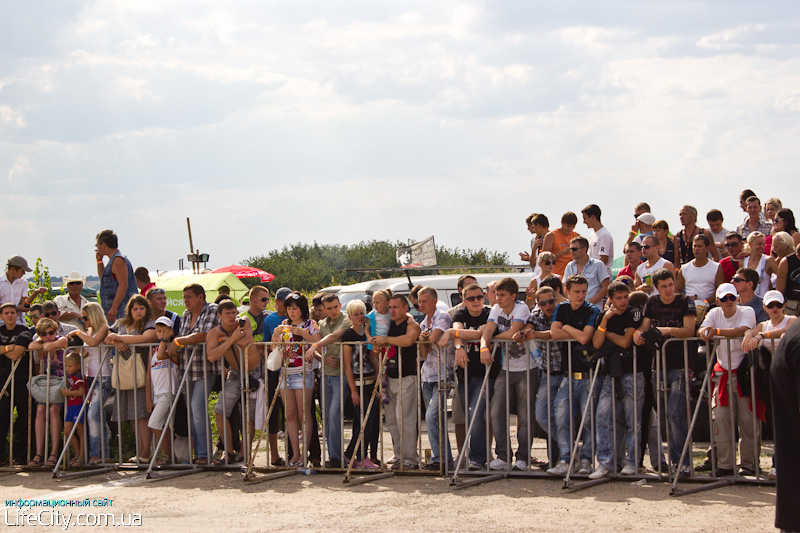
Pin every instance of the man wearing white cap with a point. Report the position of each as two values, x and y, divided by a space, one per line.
14 289
731 321
70 304
645 223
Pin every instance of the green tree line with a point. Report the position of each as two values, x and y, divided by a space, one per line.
308 267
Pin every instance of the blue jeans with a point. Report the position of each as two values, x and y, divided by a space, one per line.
676 416
626 408
477 404
432 414
542 415
333 414
199 391
96 416
580 397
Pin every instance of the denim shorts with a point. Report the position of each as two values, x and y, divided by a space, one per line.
295 381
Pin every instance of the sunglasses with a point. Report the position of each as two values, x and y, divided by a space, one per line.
474 298
84 317
731 244
626 281
294 296
548 263
264 299
547 302
49 333
774 305
647 246
157 291
728 298
71 283
573 249
737 279
34 317
51 313
416 306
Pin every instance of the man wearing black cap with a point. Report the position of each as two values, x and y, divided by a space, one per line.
14 289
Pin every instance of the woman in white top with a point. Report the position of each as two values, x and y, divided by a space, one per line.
94 320
770 331
546 262
764 265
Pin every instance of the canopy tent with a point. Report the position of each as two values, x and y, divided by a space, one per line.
210 282
246 272
619 264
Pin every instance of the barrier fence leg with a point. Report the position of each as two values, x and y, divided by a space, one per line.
586 410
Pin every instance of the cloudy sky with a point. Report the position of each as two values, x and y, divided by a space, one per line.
271 123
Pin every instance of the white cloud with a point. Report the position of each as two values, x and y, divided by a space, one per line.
21 167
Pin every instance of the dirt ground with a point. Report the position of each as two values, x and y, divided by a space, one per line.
220 501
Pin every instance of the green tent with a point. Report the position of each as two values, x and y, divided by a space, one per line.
210 282
619 264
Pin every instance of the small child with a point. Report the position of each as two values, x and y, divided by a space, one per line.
161 386
378 322
74 392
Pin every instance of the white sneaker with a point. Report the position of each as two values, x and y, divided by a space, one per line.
560 469
498 464
519 464
600 472
628 470
586 467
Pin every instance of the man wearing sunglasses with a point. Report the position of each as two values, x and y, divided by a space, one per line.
734 245
728 323
595 272
70 304
653 262
745 281
50 310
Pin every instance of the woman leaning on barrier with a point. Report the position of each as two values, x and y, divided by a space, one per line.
137 327
94 320
297 392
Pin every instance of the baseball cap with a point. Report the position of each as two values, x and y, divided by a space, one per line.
19 262
164 321
646 218
725 289
282 293
773 296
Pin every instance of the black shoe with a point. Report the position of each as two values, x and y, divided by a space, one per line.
375 461
665 468
745 471
722 472
433 467
316 464
705 467
333 464
279 462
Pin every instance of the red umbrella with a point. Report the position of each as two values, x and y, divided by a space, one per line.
245 272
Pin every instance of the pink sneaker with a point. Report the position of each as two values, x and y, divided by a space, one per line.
366 463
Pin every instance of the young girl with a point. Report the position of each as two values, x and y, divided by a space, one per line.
74 393
378 322
546 261
94 320
137 327
297 394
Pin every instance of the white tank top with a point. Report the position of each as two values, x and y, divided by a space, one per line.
93 356
642 270
767 326
700 281
763 279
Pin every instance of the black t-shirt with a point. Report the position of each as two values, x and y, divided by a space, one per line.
352 336
585 315
19 336
475 368
409 353
631 318
670 316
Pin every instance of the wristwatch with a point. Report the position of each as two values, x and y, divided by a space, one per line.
458 346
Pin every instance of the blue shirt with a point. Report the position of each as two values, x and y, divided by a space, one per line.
272 321
594 272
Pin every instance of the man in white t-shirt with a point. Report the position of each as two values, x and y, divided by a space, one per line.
653 261
728 323
14 288
507 317
714 219
601 244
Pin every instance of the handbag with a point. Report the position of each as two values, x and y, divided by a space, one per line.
275 359
40 388
122 372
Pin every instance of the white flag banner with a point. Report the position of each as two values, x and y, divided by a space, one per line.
419 254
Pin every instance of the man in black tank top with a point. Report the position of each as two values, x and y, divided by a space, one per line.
684 238
400 349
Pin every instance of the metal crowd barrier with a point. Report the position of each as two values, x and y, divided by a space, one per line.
463 474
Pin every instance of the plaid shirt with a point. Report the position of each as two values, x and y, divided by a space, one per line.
206 320
542 323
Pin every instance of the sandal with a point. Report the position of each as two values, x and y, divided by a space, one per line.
51 461
94 461
202 461
76 463
163 461
279 462
35 461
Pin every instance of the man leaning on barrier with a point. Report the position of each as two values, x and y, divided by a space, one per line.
667 315
198 318
14 340
731 321
613 338
401 411
468 324
574 320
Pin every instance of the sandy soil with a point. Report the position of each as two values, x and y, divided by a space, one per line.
222 501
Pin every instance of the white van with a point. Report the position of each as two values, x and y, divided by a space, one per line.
444 284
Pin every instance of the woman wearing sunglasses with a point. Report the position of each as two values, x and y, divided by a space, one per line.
546 261
94 320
